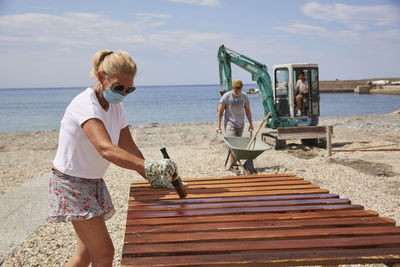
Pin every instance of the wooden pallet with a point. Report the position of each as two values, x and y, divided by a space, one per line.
255 220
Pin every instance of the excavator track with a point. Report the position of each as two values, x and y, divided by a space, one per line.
271 138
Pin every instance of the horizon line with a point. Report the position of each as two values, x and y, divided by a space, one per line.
180 85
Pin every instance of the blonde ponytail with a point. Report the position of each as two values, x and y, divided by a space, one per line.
113 63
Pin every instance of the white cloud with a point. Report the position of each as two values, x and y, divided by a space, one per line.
343 36
179 40
154 15
386 35
382 15
357 25
80 30
198 2
304 29
71 29
68 29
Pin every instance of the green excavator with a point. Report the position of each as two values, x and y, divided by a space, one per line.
278 97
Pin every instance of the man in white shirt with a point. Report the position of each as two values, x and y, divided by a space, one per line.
300 91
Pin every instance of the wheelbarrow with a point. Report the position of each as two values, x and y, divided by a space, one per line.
238 147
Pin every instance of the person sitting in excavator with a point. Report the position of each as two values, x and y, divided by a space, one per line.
301 91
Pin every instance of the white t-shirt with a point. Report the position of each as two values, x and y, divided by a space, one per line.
302 85
76 155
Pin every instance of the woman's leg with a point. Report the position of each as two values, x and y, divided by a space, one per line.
95 239
81 256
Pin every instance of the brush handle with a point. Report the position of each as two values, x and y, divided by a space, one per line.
175 180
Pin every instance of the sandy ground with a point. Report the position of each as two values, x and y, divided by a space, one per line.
371 179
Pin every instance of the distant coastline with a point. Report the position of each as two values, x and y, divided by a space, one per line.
363 86
328 86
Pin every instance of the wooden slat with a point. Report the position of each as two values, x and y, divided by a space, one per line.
203 190
286 258
242 180
268 218
261 225
232 199
302 132
256 246
250 236
223 193
274 220
222 205
211 212
242 184
231 178
223 182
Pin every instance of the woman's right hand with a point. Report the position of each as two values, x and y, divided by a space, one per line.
159 172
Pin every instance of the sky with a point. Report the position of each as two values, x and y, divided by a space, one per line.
47 43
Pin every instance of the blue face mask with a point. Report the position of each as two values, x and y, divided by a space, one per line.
112 96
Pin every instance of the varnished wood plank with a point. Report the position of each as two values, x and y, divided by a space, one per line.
277 215
260 225
257 246
211 212
206 190
250 236
233 199
286 258
269 218
223 182
222 205
233 185
231 178
223 193
243 179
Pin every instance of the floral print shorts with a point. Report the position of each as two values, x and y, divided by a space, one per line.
77 199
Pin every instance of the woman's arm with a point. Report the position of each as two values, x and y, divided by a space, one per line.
97 134
126 142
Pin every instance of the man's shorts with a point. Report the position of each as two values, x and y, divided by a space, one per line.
233 131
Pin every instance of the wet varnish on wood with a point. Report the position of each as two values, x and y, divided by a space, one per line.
256 220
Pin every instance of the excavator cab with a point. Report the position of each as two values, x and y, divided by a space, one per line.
284 83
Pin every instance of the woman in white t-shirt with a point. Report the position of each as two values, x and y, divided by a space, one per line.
94 133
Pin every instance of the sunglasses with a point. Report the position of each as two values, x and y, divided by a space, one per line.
120 89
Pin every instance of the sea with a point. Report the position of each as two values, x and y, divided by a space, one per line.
35 109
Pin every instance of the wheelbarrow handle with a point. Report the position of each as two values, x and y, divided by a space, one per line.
259 128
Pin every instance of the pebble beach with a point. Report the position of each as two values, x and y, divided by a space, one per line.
368 178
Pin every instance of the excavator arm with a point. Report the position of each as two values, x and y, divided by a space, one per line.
259 74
